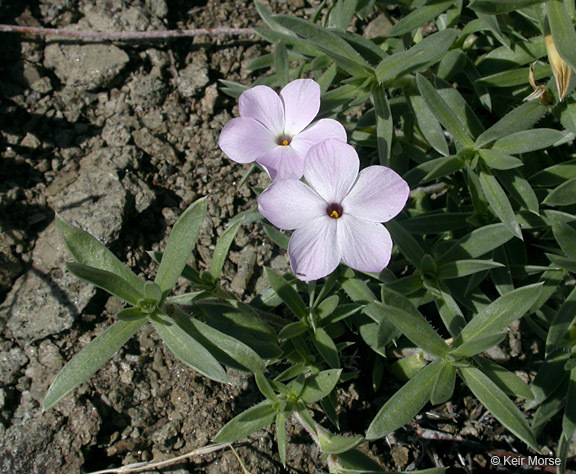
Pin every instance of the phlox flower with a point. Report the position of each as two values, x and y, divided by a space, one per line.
276 131
337 215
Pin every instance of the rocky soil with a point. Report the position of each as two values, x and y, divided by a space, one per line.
119 139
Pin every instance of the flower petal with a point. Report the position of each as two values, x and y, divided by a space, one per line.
282 162
290 204
378 195
317 133
301 104
313 250
244 139
331 169
263 104
365 246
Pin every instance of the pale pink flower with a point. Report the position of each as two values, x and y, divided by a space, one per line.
276 130
337 215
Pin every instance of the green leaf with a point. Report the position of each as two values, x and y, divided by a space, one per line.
247 422
358 291
319 385
415 327
130 314
85 364
329 43
462 268
429 51
565 235
334 444
520 118
500 313
87 250
281 436
562 31
561 322
498 404
222 248
494 26
181 241
508 381
281 64
478 345
342 13
436 223
326 348
291 330
328 306
499 160
429 125
444 113
405 403
528 140
499 203
497 7
356 462
520 190
113 284
420 16
276 236
450 312
444 384
384 124
477 243
236 350
444 167
407 244
265 387
554 175
287 294
190 351
563 195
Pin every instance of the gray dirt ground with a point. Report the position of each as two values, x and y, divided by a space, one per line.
119 139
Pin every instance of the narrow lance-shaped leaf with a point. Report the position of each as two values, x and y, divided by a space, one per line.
190 351
414 327
405 403
499 203
334 444
477 345
281 64
528 140
477 243
497 7
569 418
498 404
508 381
462 268
288 294
222 248
499 160
326 348
427 52
181 241
109 282
247 422
85 364
565 235
281 436
501 313
89 251
444 113
407 244
420 16
444 384
319 385
520 118
561 322
429 125
563 195
384 124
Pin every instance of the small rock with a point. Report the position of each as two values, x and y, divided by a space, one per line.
146 91
378 28
194 77
246 261
10 364
31 141
85 67
209 100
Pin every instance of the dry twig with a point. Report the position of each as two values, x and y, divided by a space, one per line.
124 35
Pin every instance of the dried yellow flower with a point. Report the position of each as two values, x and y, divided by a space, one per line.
561 70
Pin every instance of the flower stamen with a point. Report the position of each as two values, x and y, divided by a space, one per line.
334 211
283 140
